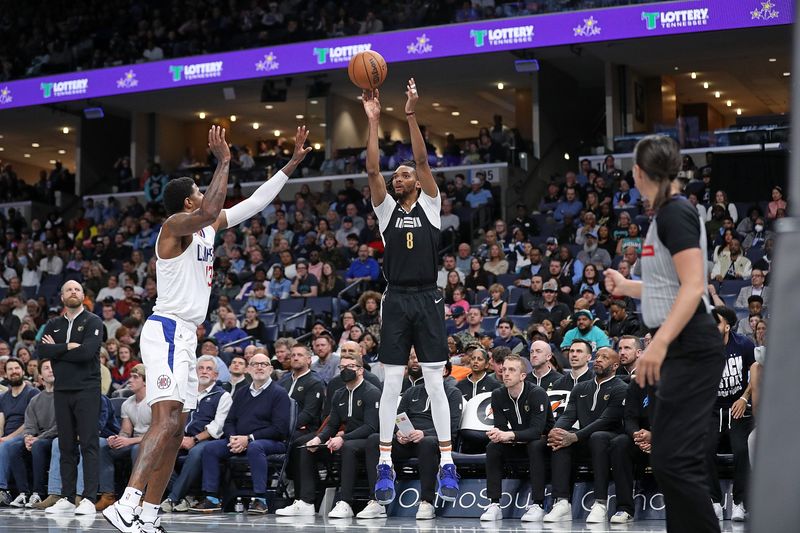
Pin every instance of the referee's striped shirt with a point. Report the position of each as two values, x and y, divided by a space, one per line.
676 227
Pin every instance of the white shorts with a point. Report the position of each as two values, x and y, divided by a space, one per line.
168 353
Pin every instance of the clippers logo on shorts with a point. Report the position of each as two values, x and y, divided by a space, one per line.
648 250
163 382
407 222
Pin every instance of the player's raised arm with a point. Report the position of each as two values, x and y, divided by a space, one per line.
183 223
372 107
424 173
268 190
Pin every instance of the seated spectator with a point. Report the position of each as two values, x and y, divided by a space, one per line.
477 279
238 371
777 203
514 437
721 199
369 302
549 201
530 299
257 426
590 280
570 205
478 195
280 287
634 238
459 318
253 326
258 299
110 321
507 338
598 408
210 346
496 263
459 295
626 197
227 337
474 331
111 290
757 237
586 330
732 265
479 380
136 417
621 322
756 288
124 364
354 408
365 268
305 284
205 424
464 257
544 368
605 241
550 308
580 353
524 221
38 431
325 361
532 264
494 305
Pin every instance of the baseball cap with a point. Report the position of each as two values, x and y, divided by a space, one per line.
347 219
138 370
475 181
584 312
551 240
550 285
592 234
457 311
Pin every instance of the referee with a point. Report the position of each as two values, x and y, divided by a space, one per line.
685 355
72 341
413 307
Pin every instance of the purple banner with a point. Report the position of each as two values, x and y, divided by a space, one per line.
628 22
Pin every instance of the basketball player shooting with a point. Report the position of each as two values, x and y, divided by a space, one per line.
413 307
184 274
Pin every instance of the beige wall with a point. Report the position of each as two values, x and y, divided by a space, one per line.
27 172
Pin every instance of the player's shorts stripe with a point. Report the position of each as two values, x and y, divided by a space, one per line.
168 325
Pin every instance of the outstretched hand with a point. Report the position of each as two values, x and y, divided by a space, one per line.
412 96
372 103
300 151
218 145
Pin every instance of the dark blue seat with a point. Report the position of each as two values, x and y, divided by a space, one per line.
733 286
322 306
117 403
521 321
489 324
291 305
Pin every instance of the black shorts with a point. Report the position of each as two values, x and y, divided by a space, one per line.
412 317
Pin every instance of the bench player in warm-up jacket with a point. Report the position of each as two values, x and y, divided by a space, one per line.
413 306
185 271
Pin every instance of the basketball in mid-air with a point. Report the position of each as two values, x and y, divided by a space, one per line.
367 70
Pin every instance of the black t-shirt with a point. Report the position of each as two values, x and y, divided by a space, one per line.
678 225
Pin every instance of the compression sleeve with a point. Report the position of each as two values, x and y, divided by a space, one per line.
257 201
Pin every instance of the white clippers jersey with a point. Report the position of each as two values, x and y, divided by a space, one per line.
184 282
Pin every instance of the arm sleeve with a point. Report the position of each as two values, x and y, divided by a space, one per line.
257 201
611 417
371 420
679 226
312 406
216 427
540 403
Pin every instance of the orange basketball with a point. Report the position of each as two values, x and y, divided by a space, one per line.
367 70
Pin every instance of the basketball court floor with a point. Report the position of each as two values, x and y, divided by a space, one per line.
37 522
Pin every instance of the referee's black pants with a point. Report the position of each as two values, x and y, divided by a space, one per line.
426 451
738 430
77 413
497 455
686 394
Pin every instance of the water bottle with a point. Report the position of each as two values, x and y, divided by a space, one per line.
239 505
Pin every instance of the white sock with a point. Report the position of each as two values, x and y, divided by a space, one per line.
149 512
385 457
131 497
446 458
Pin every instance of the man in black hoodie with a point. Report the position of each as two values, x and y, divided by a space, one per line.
522 416
72 341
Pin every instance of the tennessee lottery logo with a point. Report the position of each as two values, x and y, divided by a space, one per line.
128 81
421 46
64 88
501 36
766 12
589 28
682 18
339 54
5 96
196 71
270 62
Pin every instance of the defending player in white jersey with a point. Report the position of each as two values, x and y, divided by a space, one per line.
184 271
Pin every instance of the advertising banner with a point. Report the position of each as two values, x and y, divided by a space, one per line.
538 31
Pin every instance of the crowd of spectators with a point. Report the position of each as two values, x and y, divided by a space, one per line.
93 34
533 276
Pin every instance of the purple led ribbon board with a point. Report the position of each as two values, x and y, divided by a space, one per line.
628 22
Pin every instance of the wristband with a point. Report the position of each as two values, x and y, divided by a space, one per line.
195 439
409 114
